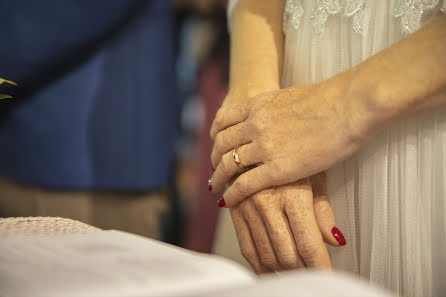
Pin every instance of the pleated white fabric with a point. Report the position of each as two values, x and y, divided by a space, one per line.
390 198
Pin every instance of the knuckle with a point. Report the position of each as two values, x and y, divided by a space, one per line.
219 141
219 118
261 204
300 213
269 261
224 165
307 248
247 254
288 261
277 233
323 209
241 188
249 214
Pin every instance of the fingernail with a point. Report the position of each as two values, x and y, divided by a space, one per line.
337 234
221 202
209 185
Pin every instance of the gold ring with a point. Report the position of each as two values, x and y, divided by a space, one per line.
236 158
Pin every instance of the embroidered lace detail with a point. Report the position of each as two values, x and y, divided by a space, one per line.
293 14
321 11
411 12
355 9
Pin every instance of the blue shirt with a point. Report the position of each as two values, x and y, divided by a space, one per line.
107 124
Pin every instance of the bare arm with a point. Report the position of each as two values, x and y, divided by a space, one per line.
404 79
256 47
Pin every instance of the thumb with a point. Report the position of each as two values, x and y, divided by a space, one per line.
324 213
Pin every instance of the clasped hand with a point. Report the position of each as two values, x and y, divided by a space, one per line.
285 227
282 138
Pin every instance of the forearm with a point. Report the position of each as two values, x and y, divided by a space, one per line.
406 78
256 47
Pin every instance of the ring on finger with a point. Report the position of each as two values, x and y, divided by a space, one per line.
236 158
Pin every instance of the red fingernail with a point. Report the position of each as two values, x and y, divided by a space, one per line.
221 202
209 185
338 236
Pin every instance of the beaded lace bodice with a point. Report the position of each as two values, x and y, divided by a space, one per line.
409 11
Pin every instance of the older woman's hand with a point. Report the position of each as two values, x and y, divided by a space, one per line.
288 134
285 227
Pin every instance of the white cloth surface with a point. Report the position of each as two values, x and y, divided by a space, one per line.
304 283
390 198
110 264
118 264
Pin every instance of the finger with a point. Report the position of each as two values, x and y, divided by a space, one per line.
279 231
324 213
260 236
228 139
228 116
227 168
246 243
248 183
307 236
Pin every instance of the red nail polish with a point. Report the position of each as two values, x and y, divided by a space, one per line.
221 202
337 234
209 185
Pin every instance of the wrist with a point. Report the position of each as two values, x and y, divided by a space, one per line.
366 109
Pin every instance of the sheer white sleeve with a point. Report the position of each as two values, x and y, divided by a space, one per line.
231 5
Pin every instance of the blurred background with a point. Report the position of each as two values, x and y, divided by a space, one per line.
109 120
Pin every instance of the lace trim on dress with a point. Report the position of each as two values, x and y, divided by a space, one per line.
410 12
323 9
320 13
293 13
355 9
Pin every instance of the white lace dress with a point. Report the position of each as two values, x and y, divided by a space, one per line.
390 198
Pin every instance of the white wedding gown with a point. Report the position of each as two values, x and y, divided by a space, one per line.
389 199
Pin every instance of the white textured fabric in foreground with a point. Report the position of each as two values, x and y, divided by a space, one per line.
109 264
42 226
119 264
305 283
